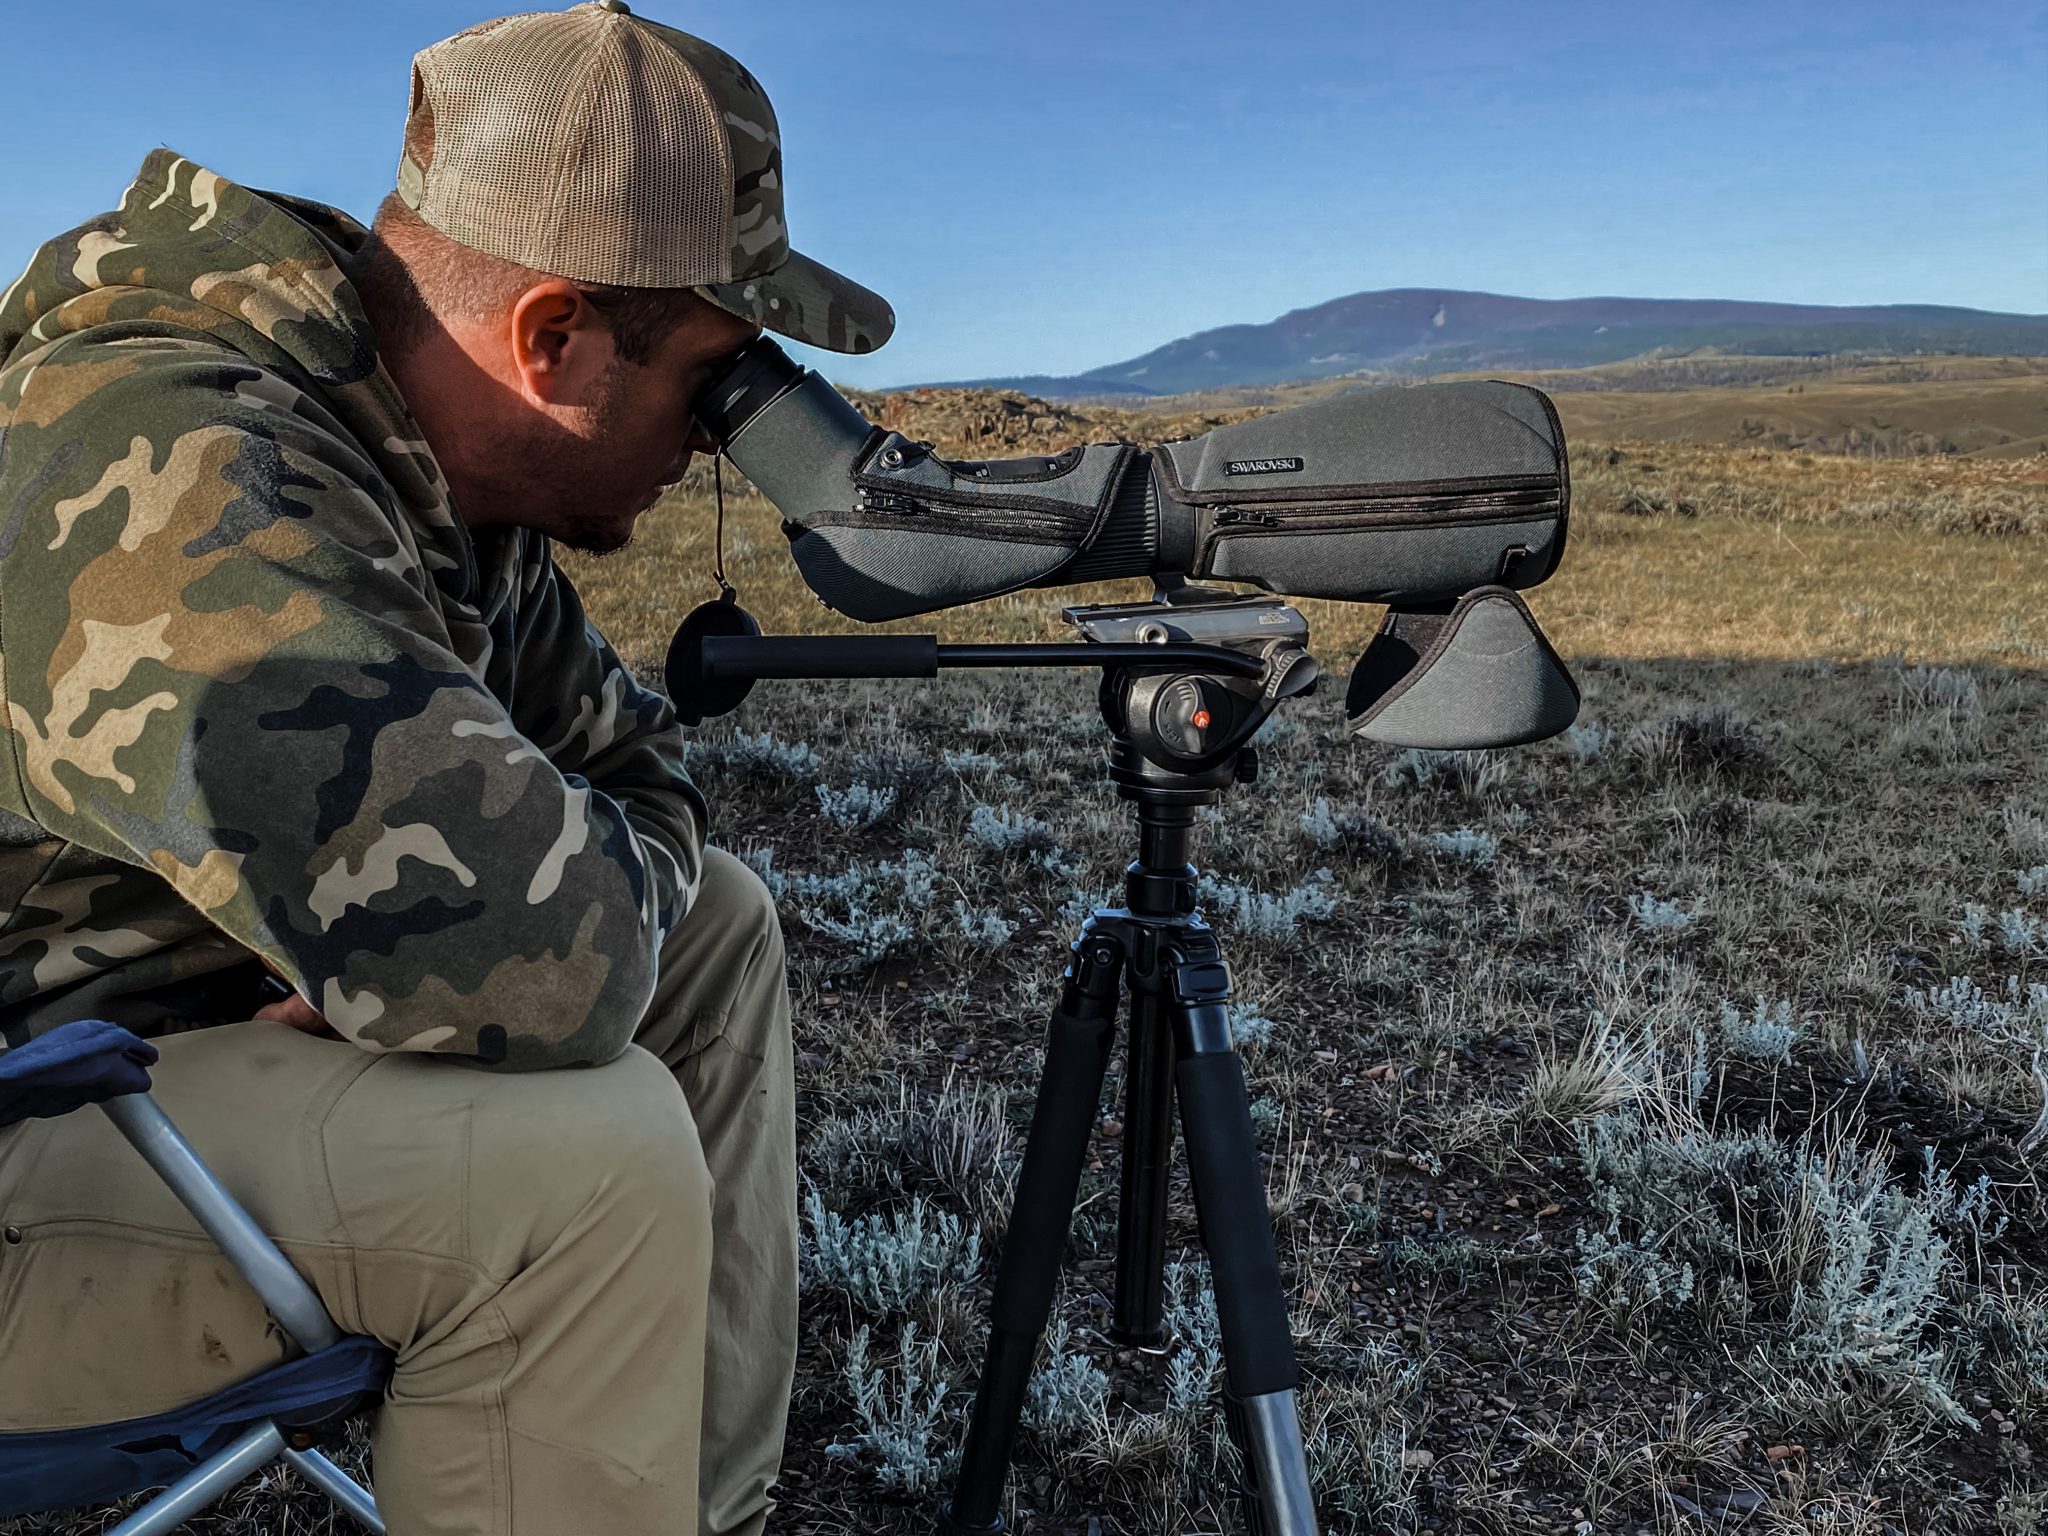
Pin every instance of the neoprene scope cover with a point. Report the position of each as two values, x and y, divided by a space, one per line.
1477 673
1399 495
1396 495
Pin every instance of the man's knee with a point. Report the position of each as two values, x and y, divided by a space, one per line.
733 903
611 1148
722 973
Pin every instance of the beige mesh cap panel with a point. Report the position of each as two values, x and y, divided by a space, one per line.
601 147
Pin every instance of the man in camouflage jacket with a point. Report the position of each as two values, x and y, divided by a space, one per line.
294 688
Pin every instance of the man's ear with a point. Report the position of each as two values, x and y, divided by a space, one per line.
560 345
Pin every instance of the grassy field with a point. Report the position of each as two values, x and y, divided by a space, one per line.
1654 1117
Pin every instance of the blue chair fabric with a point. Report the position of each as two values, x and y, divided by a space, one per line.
87 1061
64 1468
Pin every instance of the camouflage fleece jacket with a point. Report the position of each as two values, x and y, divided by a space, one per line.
265 693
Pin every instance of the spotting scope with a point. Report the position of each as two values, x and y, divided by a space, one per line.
1440 500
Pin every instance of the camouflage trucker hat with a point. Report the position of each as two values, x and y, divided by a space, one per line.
596 145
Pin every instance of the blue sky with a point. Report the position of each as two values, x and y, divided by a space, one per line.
1054 186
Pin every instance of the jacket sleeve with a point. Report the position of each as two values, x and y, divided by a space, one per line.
226 660
575 700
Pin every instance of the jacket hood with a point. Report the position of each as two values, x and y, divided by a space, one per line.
190 256
190 250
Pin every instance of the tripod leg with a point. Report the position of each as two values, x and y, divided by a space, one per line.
1147 1161
1230 1204
1069 1093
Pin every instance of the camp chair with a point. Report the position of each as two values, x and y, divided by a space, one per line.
202 1451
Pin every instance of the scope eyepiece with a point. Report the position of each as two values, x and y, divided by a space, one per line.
751 380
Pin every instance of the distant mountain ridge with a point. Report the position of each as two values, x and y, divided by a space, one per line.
1441 330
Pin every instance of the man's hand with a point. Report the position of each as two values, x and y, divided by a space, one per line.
300 1014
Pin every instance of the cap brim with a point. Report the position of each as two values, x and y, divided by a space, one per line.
811 303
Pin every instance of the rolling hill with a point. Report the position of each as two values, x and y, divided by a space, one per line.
1410 331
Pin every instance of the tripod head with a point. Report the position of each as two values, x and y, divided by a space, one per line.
1181 726
1187 678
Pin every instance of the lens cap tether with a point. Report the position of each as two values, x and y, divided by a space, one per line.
695 694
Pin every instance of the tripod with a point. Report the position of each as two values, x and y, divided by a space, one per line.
1156 949
1187 680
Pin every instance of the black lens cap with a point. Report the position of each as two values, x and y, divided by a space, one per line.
696 697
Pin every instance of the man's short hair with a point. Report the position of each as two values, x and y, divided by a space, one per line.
413 275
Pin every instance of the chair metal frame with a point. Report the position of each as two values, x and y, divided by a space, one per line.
283 1290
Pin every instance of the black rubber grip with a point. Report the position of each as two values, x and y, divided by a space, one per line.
1069 1097
1230 1199
728 657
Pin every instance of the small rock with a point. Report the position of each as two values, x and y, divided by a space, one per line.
1419 1459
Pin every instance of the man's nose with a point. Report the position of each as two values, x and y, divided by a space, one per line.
695 441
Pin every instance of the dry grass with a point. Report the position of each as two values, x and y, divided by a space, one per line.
1991 418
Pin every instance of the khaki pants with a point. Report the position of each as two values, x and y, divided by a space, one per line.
589 1277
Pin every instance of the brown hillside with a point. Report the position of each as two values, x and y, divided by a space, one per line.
993 423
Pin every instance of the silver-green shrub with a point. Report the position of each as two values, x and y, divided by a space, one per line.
1861 1322
1249 1028
982 927
2014 1016
1008 831
1589 738
886 1264
1198 1338
1665 1201
1767 1032
1268 915
1656 915
756 755
856 806
2014 931
1467 843
913 777
1357 832
1067 1392
899 1420
872 910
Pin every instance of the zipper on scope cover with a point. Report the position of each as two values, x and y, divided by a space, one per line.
1276 521
1007 525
